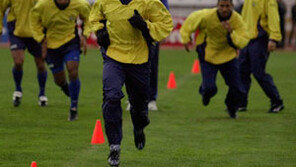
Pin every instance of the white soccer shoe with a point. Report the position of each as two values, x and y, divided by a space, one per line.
16 97
42 101
152 106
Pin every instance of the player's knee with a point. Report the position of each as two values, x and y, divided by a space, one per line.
59 82
113 96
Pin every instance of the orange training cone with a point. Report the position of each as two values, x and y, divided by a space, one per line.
195 67
33 164
172 81
98 137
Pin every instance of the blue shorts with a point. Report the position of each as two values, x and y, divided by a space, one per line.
19 43
56 58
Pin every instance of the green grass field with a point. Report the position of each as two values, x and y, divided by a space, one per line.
183 133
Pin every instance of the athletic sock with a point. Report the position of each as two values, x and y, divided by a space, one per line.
74 88
42 77
65 88
17 76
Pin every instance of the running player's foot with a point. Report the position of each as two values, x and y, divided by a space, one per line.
42 101
276 108
205 100
16 97
232 113
152 106
73 114
139 139
114 156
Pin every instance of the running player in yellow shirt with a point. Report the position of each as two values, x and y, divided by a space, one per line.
131 25
20 37
223 32
262 19
53 23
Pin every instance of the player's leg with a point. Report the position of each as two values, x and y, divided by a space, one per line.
56 64
208 88
154 56
137 85
17 71
17 48
113 80
292 33
72 62
35 49
245 75
258 58
230 73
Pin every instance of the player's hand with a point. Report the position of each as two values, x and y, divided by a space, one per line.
44 48
187 46
227 26
103 38
271 45
137 21
83 44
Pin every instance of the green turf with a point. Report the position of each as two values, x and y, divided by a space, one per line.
182 133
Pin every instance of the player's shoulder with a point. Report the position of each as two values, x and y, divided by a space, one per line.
79 2
42 3
208 12
235 14
152 2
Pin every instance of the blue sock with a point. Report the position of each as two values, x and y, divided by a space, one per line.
42 77
17 76
74 88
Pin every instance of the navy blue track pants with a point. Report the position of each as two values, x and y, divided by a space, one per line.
136 80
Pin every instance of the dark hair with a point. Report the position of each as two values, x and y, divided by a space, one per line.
225 0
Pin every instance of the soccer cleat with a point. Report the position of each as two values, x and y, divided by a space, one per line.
139 139
205 101
232 113
114 156
152 106
276 108
42 101
16 97
73 114
128 106
242 109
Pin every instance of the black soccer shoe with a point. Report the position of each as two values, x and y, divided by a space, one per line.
16 102
205 100
276 108
140 140
114 156
16 97
73 115
232 113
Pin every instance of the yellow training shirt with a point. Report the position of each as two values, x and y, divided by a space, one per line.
59 24
21 9
265 11
127 45
218 50
4 5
